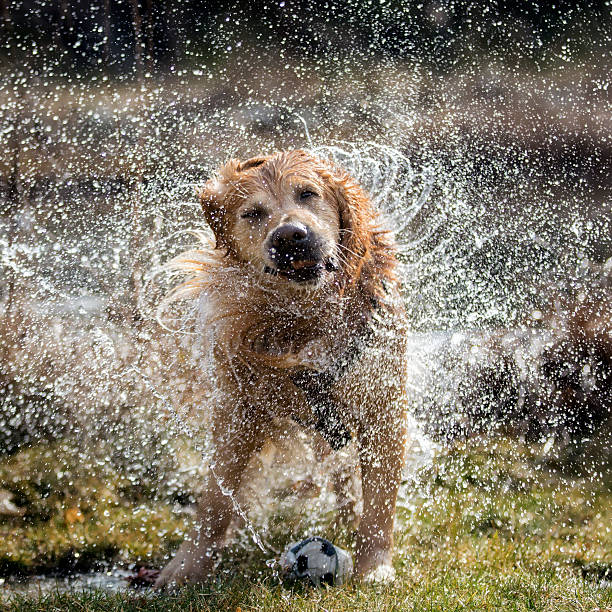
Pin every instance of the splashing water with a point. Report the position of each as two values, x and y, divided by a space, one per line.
497 244
184 427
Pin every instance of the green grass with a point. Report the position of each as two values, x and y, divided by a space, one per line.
474 588
79 514
486 527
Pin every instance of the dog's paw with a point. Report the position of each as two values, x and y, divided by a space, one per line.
189 566
381 574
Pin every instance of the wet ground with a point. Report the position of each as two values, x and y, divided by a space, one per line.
112 580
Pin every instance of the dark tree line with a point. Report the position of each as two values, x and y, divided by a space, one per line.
123 36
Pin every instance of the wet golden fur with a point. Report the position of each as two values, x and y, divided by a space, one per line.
365 248
261 328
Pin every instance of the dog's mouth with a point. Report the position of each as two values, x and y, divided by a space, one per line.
303 270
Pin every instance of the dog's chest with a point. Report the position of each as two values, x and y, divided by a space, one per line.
357 385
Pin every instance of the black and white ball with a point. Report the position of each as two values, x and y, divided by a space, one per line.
319 561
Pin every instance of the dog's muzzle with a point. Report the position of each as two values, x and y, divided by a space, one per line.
295 250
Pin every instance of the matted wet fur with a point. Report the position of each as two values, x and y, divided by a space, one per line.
299 282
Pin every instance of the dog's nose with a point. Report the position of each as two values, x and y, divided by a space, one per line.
288 235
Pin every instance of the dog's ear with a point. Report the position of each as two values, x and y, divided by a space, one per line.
212 200
214 196
355 212
251 163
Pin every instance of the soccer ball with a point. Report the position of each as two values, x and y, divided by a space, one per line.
318 560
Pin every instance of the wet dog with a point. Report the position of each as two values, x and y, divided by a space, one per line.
303 320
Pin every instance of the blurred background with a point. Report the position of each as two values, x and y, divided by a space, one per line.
484 132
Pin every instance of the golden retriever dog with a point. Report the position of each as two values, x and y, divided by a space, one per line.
304 320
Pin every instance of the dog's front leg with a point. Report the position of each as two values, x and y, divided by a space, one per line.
235 443
381 455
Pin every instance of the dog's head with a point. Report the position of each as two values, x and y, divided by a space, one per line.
290 215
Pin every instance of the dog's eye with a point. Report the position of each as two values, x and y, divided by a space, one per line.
304 195
253 213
